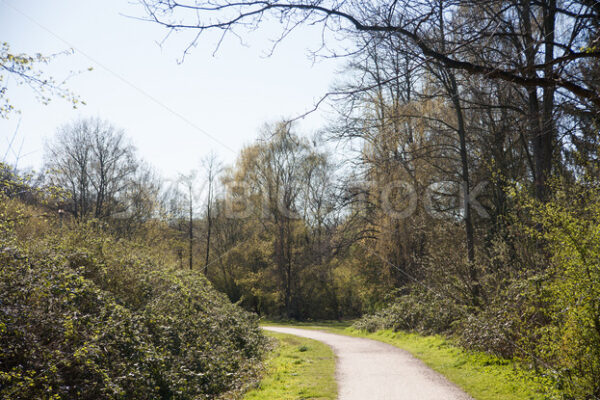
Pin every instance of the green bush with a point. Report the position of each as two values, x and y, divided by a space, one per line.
84 315
569 294
418 311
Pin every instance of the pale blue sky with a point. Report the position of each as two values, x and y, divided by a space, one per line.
139 86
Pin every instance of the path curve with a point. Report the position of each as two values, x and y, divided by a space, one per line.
370 370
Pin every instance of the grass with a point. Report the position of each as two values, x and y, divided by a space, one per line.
297 368
481 375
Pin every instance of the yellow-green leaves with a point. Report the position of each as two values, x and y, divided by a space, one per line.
28 69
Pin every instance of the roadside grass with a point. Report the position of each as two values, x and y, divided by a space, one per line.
297 368
481 375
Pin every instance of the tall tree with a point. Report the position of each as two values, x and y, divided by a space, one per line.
508 40
188 181
212 169
93 161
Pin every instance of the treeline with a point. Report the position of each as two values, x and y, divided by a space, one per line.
267 231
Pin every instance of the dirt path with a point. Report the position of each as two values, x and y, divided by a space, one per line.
371 370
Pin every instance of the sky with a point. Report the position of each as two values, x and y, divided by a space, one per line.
174 112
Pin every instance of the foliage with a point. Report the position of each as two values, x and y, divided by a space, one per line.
543 311
276 237
420 311
26 69
84 314
568 292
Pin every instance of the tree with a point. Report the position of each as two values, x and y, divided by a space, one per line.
512 41
413 24
93 161
274 172
275 231
212 169
25 70
144 198
188 183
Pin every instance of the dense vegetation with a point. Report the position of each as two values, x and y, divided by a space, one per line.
85 314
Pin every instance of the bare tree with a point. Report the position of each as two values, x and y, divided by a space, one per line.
188 182
212 168
413 22
515 41
143 199
94 163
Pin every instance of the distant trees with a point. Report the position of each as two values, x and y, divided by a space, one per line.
274 230
143 198
272 173
189 205
212 169
96 166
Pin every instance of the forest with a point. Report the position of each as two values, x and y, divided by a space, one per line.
455 192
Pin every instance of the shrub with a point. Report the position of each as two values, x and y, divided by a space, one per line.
570 340
419 311
86 316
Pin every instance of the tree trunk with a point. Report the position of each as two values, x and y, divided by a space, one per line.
548 130
208 225
191 232
452 88
467 216
541 125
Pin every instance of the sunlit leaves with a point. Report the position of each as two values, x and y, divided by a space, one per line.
28 70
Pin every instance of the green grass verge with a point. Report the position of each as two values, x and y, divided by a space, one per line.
297 368
481 375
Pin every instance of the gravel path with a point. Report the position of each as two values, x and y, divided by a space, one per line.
370 370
